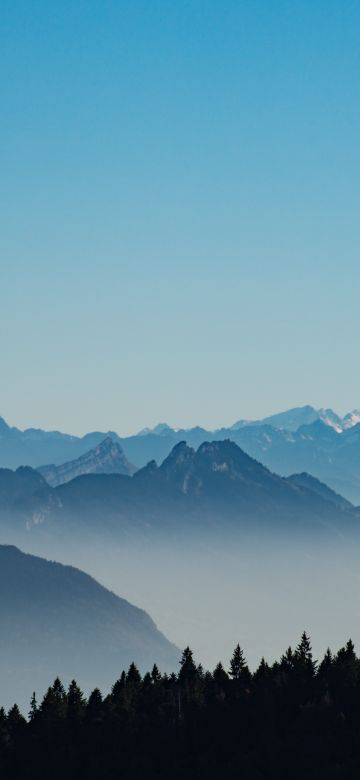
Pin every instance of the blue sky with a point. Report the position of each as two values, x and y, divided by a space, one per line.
179 234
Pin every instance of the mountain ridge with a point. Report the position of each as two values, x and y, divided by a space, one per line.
318 447
216 486
105 458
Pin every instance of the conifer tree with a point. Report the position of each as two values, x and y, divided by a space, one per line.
53 704
133 677
33 708
263 672
75 702
220 675
155 674
94 707
188 671
16 722
119 686
326 663
147 681
303 658
346 666
3 726
239 669
287 661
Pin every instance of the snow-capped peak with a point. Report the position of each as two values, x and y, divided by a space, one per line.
351 419
339 424
331 419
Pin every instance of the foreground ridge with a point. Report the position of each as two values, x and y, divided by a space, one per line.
297 718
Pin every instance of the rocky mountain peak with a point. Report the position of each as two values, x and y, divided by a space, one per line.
105 458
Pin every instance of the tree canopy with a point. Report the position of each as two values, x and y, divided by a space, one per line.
294 719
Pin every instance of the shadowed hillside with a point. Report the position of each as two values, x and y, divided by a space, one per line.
57 619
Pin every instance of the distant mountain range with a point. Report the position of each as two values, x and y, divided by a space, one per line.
303 439
34 447
293 419
57 620
290 420
216 488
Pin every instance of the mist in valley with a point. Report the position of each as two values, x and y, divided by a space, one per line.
212 592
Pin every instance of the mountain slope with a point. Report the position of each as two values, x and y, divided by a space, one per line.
19 484
106 458
34 446
311 483
57 620
218 486
327 448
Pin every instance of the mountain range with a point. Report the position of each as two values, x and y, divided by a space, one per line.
216 488
303 439
57 620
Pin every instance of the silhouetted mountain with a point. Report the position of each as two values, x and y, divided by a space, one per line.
56 619
327 448
18 485
318 449
311 483
106 458
34 446
216 487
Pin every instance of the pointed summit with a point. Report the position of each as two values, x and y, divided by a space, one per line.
106 458
180 456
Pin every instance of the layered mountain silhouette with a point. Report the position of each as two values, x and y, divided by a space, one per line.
311 483
34 446
218 486
106 458
18 485
57 620
303 439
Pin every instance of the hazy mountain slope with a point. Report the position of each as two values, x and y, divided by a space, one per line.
34 446
19 484
56 620
328 448
106 458
217 486
317 449
311 483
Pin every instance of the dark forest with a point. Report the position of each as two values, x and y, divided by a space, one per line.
297 718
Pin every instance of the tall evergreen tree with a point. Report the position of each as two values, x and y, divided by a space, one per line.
16 722
188 671
75 702
155 674
94 707
119 687
53 704
220 675
33 708
303 658
239 669
133 677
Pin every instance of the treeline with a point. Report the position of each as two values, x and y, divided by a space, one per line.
295 719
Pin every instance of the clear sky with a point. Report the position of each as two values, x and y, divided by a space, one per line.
179 234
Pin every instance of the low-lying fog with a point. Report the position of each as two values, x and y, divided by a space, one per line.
211 595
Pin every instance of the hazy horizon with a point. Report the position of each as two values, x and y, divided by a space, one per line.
122 431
